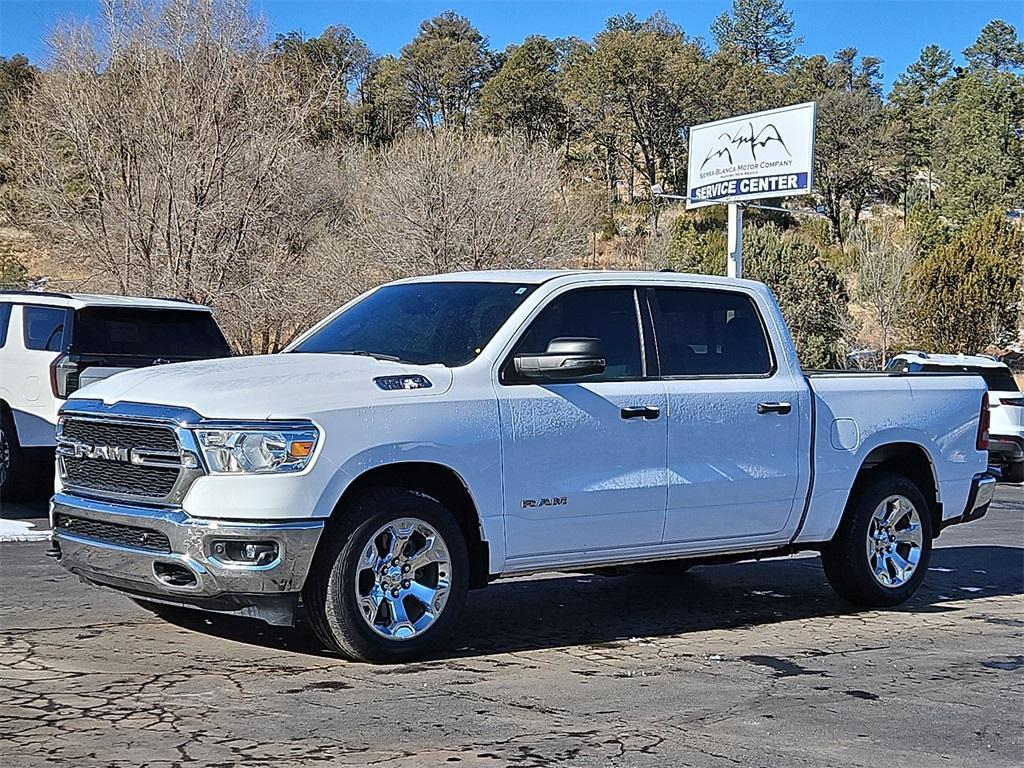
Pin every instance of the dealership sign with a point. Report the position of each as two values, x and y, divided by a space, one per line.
766 154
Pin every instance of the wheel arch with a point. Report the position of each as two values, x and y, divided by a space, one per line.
7 414
440 482
912 461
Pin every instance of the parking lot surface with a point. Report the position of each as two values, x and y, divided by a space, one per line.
755 664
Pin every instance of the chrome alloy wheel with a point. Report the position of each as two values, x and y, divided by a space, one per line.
894 541
403 579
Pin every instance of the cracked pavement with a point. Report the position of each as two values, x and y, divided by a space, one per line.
754 664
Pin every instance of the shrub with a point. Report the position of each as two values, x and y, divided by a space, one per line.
697 244
13 275
811 294
970 289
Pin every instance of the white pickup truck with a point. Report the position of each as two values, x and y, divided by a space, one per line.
437 433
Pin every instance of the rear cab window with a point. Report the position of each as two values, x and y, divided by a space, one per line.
44 327
151 333
704 332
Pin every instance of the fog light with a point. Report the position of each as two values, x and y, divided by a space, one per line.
246 552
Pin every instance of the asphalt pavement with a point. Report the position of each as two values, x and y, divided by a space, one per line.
752 664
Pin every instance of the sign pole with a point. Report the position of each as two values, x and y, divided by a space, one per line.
734 267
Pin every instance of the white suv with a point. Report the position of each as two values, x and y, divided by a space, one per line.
1006 403
52 344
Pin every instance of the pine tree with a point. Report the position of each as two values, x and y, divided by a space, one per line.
522 97
997 48
444 68
915 100
761 29
979 149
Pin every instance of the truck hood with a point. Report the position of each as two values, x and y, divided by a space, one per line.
289 385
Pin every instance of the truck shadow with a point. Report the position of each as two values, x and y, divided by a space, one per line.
33 505
587 610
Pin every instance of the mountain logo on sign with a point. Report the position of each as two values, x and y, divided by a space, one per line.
730 146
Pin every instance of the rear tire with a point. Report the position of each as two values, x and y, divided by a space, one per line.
14 469
367 592
866 552
1014 473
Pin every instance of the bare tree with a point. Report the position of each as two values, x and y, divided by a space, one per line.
161 148
451 201
886 255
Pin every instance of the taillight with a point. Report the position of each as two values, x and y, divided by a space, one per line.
63 376
983 425
1018 401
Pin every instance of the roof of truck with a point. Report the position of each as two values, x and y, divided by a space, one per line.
523 276
82 300
538 276
979 361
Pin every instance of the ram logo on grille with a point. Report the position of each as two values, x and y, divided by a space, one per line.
142 457
86 451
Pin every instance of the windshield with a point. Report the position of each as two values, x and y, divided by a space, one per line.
156 333
422 323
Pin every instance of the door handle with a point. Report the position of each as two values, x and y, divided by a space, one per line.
646 412
782 408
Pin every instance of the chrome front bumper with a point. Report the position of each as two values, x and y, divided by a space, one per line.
268 591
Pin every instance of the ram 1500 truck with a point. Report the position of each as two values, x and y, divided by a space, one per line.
437 433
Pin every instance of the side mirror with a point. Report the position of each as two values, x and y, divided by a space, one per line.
564 359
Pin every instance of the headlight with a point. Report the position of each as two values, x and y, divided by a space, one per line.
245 450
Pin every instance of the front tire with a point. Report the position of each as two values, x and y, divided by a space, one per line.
880 554
390 580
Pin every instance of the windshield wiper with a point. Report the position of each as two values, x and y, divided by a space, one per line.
364 353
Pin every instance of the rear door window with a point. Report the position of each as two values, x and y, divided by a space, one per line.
152 333
44 327
710 333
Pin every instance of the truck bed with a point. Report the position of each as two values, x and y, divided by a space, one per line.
938 412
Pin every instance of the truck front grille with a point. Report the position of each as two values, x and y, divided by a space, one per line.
118 459
144 436
116 477
113 533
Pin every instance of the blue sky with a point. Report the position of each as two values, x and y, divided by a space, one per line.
894 30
